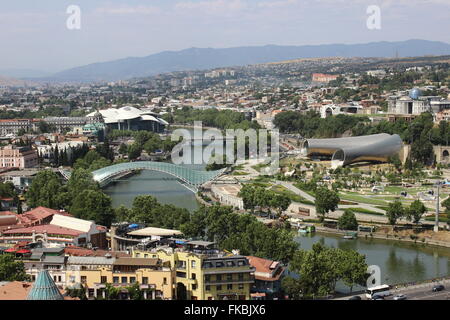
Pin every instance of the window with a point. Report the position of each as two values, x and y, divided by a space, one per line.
194 287
138 255
181 264
230 263
219 264
208 288
229 277
193 276
83 279
219 277
132 279
124 280
115 279
241 286
229 286
103 279
144 280
145 255
219 288
241 263
207 278
193 264
59 278
165 281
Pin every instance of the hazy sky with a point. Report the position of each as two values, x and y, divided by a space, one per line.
33 33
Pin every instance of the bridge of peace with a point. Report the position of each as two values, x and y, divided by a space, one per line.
190 178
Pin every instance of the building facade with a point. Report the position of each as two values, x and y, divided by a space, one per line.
18 157
204 274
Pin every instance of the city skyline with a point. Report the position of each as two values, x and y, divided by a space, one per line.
119 29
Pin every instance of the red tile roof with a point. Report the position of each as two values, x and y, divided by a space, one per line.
83 252
48 228
266 266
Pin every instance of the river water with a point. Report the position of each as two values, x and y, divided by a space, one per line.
160 185
399 262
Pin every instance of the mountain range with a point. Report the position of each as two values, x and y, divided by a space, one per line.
209 58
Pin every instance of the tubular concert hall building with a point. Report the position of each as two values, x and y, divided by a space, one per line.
345 151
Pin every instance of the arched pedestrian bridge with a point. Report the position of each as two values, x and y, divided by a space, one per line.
192 179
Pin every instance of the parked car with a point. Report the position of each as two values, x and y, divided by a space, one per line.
438 287
377 297
400 297
355 298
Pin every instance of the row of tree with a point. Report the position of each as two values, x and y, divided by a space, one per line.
266 200
414 212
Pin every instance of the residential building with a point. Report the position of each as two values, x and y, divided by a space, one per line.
154 277
204 273
268 276
18 157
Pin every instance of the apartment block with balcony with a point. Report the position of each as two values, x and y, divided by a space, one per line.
94 273
205 273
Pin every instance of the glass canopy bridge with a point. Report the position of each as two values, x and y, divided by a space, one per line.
192 179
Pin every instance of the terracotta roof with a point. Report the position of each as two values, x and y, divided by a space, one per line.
15 290
266 266
48 228
83 252
19 290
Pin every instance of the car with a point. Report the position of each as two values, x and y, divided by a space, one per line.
400 297
438 287
355 298
377 297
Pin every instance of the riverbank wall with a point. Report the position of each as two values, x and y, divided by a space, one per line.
383 236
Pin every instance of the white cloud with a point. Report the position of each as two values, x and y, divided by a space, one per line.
215 6
129 10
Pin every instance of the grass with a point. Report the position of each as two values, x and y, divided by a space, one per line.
362 199
365 211
240 173
294 197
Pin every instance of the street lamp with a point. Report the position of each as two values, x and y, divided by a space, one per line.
436 225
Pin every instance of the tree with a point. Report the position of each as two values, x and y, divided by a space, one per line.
348 221
135 292
11 270
326 201
394 212
415 211
446 204
93 205
352 268
280 202
44 190
123 149
321 268
134 151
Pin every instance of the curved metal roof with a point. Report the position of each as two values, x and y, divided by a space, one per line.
344 151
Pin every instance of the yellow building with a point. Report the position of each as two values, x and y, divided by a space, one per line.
155 278
203 273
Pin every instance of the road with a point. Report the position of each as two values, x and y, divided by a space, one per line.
418 292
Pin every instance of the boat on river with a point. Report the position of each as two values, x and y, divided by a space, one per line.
350 235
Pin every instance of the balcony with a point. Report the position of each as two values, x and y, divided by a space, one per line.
226 281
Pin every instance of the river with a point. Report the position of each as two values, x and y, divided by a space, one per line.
400 262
